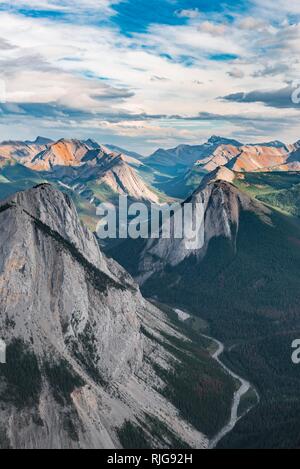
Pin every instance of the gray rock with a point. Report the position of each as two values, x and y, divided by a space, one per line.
73 319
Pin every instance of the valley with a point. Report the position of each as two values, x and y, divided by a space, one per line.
150 227
245 284
243 388
242 391
96 364
235 295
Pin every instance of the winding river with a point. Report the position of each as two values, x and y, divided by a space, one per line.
243 389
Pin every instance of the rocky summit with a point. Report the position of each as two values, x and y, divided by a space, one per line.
74 324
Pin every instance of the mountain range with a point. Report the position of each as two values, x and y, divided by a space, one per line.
90 363
242 277
94 360
217 152
71 159
102 171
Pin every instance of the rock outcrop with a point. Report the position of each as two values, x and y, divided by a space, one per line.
72 321
215 211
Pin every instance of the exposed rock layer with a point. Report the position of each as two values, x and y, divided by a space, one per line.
71 319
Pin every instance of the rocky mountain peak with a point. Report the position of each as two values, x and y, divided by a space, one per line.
220 173
56 210
40 141
71 321
61 153
217 140
217 206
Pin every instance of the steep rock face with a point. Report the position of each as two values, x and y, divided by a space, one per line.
61 153
114 171
220 173
216 210
71 320
57 211
110 170
45 295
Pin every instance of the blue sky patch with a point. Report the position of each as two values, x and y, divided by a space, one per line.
136 15
146 72
223 57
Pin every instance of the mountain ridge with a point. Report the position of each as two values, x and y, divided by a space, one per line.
243 278
84 348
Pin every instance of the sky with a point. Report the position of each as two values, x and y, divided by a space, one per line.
145 74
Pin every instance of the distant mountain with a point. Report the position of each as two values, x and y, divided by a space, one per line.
23 151
245 158
273 156
116 149
88 175
132 158
176 172
61 153
89 362
91 143
39 141
100 172
94 171
178 159
274 143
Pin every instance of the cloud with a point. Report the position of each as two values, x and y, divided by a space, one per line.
252 24
271 70
54 110
71 64
211 28
191 40
188 13
157 78
281 98
278 8
5 45
64 6
236 73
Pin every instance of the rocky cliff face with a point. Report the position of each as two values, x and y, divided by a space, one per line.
72 322
113 170
216 207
